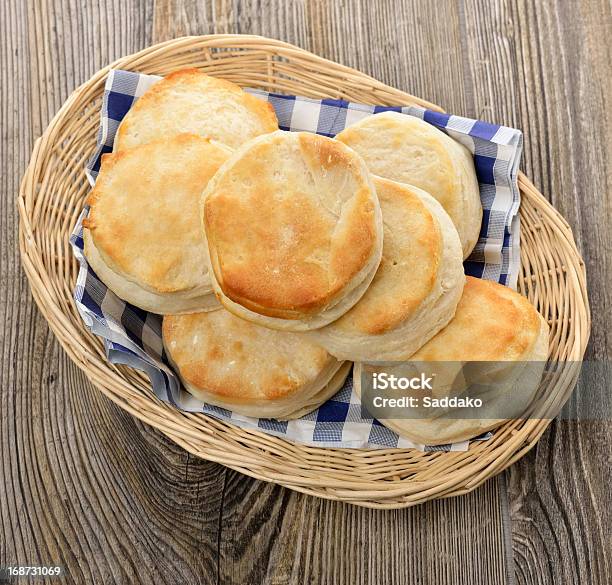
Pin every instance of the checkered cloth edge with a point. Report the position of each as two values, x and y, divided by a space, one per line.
133 336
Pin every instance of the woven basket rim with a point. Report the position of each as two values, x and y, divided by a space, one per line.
348 474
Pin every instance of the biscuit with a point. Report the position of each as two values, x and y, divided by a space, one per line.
498 341
193 102
252 370
143 235
294 230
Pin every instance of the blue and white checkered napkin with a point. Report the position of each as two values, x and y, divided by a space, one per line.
133 336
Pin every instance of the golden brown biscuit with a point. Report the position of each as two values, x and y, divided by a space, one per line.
294 230
250 369
191 101
143 236
504 334
492 323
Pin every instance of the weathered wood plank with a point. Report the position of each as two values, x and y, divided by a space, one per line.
308 540
83 484
544 67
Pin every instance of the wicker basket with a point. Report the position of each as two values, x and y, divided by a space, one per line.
51 198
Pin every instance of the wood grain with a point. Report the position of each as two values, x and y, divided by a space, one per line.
309 540
86 486
560 494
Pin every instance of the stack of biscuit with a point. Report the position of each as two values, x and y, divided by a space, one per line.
280 258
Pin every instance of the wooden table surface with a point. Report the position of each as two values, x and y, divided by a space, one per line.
86 486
